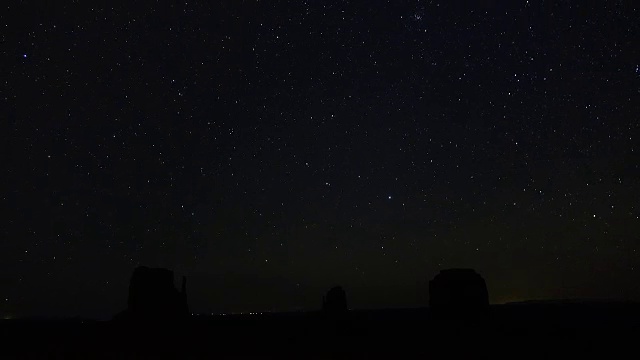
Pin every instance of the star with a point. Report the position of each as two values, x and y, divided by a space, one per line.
483 138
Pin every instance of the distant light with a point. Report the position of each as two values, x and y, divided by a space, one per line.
389 197
24 56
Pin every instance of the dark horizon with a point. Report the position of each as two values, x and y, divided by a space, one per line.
199 306
269 151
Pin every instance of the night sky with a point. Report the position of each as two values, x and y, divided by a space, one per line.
269 150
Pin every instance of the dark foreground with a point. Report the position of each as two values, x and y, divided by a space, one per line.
514 330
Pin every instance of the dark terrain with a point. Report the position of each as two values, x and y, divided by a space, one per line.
401 333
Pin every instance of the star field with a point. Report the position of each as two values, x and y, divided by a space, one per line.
269 150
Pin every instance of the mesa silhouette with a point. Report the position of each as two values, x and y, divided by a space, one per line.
153 296
335 302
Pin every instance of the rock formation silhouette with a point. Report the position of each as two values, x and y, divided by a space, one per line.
335 301
458 293
153 296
